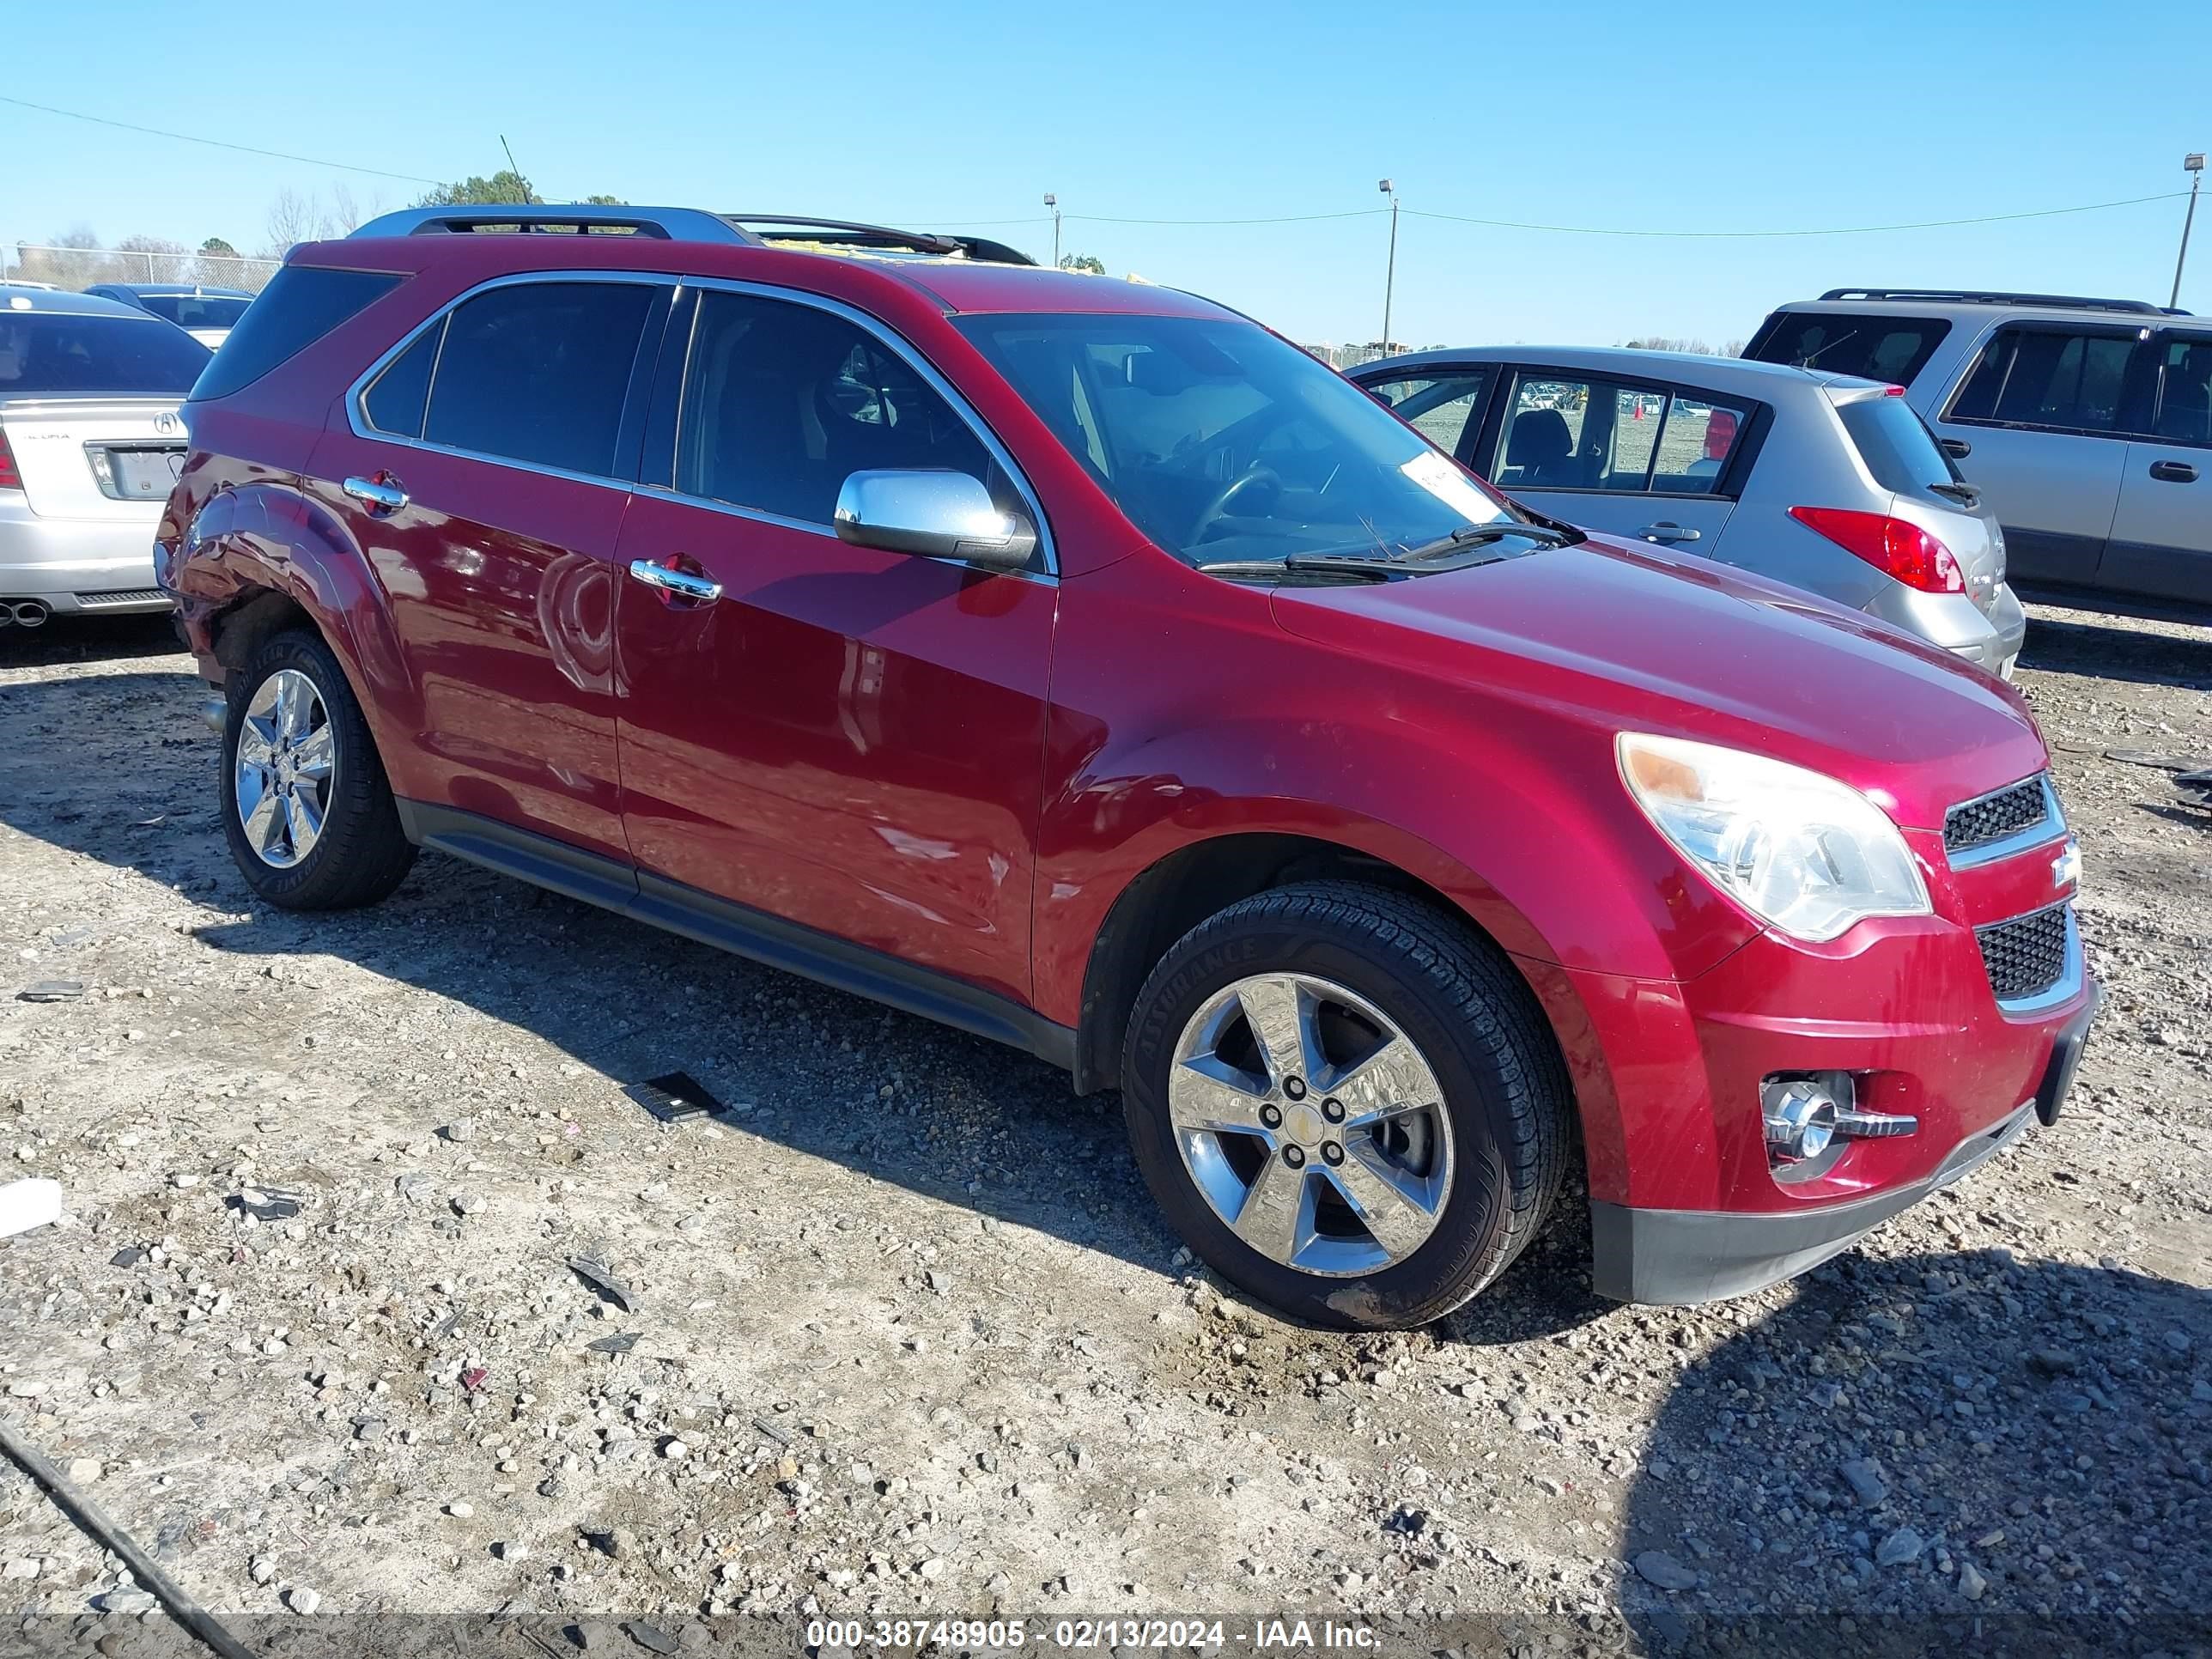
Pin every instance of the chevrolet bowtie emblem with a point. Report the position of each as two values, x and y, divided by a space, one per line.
2066 868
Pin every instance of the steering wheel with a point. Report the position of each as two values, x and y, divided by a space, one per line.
1217 506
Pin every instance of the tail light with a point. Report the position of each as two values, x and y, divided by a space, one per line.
1903 549
11 476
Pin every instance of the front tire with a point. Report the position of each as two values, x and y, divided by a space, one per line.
1347 1103
306 809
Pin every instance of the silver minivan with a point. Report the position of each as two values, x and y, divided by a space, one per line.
1826 482
2086 424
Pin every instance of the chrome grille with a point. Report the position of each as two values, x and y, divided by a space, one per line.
1993 818
2025 957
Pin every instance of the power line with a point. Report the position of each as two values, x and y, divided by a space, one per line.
1284 219
1276 219
1840 230
1583 230
218 143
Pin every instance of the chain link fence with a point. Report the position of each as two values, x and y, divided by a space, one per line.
79 268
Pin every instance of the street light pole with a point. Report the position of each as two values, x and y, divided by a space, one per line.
2194 165
1390 277
1052 201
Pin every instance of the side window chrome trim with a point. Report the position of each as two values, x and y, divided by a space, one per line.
751 515
357 418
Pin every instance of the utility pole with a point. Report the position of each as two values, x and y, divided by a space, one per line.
1391 276
2194 165
1052 201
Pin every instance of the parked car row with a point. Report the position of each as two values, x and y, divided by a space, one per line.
90 444
1826 482
1083 665
2087 423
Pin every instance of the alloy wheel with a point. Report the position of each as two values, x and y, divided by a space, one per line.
285 769
1311 1124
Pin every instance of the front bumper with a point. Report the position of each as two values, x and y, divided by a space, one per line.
1687 1256
102 566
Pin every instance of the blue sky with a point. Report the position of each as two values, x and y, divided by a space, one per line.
951 114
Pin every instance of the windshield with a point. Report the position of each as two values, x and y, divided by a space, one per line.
1221 442
62 355
195 310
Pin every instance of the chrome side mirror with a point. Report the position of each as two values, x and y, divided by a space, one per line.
945 515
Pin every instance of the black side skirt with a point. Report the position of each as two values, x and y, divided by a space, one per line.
613 885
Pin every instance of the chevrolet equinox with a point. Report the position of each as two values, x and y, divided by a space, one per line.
1079 663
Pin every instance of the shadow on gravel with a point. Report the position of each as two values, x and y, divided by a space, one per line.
966 1121
93 639
2095 651
1950 1453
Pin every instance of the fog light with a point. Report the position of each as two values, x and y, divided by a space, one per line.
1800 1119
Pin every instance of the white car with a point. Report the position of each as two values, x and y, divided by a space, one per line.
90 443
208 314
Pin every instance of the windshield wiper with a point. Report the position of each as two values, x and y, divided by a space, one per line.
1423 559
1319 564
1475 535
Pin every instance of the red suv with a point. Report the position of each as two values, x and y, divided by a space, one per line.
1079 663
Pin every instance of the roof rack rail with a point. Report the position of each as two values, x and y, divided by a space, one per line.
557 218
844 233
1997 297
678 225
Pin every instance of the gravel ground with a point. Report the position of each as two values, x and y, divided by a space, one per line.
904 1335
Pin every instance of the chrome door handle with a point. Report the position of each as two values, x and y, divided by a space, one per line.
384 497
1666 530
681 583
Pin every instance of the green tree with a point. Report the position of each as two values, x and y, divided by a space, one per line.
215 247
504 187
1086 262
604 201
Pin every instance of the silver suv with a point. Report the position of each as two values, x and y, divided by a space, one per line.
2087 423
1823 481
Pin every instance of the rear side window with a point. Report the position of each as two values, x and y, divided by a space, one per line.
57 355
2069 380
1892 349
1896 444
300 305
1576 434
538 372
1696 443
395 401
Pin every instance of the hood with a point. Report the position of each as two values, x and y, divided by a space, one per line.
1633 639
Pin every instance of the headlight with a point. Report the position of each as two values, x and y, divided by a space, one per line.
1809 854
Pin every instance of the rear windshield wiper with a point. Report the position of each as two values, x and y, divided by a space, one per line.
1317 565
1965 494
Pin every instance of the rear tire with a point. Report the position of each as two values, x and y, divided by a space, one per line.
305 807
1386 1208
